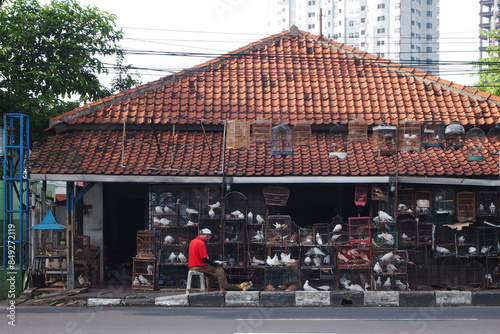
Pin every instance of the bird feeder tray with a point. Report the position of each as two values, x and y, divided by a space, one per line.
275 195
358 130
302 134
466 206
237 135
261 130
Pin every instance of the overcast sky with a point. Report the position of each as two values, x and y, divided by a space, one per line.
200 27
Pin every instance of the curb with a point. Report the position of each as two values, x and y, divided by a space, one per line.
312 299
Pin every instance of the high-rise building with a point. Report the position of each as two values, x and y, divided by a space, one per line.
490 20
404 31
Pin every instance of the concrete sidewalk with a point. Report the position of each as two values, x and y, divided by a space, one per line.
178 298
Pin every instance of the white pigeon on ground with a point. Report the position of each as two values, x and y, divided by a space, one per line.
260 220
319 241
307 287
377 268
442 250
191 211
461 240
211 213
257 262
172 257
214 206
182 258
169 239
337 228
384 216
387 282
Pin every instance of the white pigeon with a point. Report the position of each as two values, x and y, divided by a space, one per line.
169 239
172 257
156 220
236 213
461 240
344 281
386 257
159 209
326 259
405 237
260 220
319 241
190 223
337 228
400 285
182 258
143 279
149 268
165 221
277 225
324 288
492 208
318 251
472 250
391 268
256 261
168 210
214 206
355 287
258 236
271 261
442 250
387 282
481 208
136 281
307 287
211 213
307 260
241 216
485 249
191 211
378 282
377 268
384 216
317 261
367 286
335 237
285 257
250 217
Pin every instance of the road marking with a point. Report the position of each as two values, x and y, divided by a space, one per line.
363 319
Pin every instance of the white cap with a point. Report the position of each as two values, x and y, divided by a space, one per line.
206 231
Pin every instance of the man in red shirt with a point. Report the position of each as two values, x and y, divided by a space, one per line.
199 261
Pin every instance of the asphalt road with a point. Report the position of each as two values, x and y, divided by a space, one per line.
145 320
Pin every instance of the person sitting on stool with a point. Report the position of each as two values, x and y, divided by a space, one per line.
198 261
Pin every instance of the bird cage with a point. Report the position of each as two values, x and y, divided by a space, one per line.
358 130
444 201
146 244
407 231
354 256
276 195
475 140
339 136
466 206
384 140
423 201
359 230
454 135
361 194
406 201
281 143
425 232
487 202
409 135
237 135
261 130
432 134
494 139
302 134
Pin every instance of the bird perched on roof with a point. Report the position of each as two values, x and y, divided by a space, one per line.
384 216
260 220
191 211
245 286
214 206
337 228
307 287
319 241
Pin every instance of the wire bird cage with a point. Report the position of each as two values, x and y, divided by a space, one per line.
261 130
444 201
432 134
475 140
454 135
406 201
487 202
423 201
358 130
409 135
281 143
384 140
302 134
339 135
237 135
466 206
494 139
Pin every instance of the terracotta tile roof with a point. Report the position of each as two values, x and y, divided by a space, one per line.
289 77
188 153
293 76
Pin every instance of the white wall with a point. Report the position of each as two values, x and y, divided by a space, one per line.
93 221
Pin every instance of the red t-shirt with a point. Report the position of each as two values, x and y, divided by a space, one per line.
197 251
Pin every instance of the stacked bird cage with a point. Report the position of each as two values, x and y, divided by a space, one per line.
407 230
486 203
425 232
321 233
281 231
146 244
306 236
390 271
385 240
384 140
354 256
282 278
354 280
317 257
359 230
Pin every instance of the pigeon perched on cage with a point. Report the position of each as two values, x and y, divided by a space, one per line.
486 249
259 236
159 210
211 213
168 210
236 213
326 259
378 282
182 258
337 228
272 262
156 220
143 280
472 250
461 240
260 220
191 211
384 216
324 288
377 268
165 221
319 241
214 206
442 250
307 287
169 239
335 237
318 251
149 268
386 257
257 262
136 281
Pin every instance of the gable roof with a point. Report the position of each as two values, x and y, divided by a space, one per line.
289 77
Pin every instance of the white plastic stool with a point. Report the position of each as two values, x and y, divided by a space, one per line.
201 276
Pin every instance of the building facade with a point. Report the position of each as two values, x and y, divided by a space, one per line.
403 31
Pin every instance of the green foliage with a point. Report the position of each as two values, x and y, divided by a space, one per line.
51 53
489 67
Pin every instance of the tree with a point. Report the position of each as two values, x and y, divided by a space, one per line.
52 53
489 67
